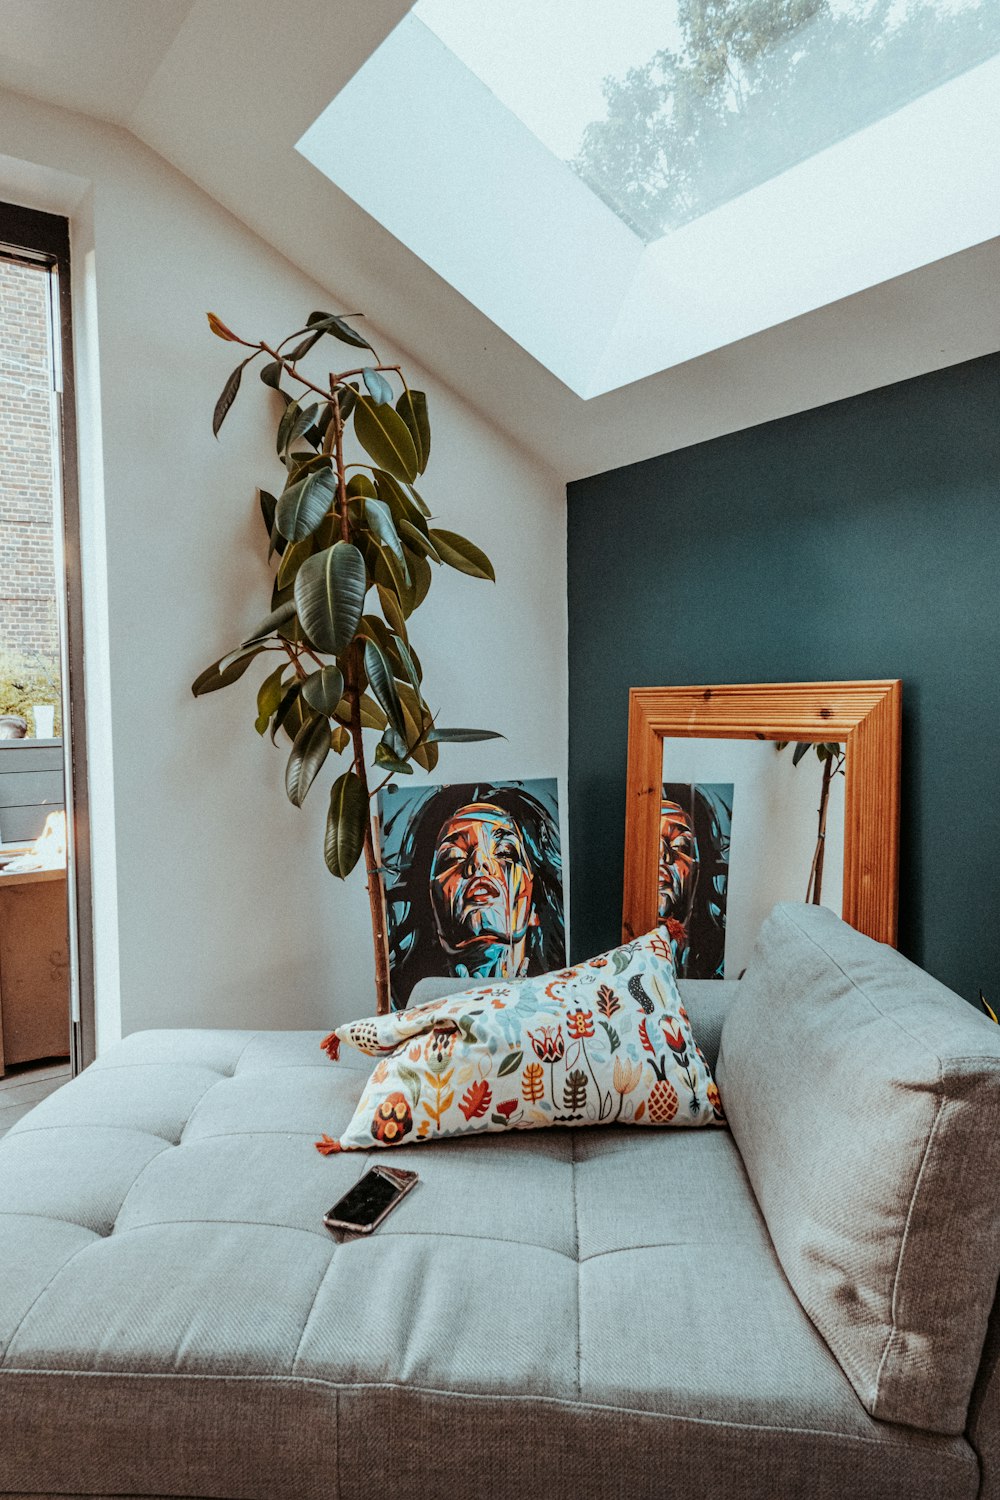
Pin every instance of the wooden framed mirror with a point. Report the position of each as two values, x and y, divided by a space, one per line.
740 796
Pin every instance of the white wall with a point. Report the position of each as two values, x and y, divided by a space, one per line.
210 883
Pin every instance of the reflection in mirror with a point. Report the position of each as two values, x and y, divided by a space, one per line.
743 824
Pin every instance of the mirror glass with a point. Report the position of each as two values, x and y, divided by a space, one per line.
743 824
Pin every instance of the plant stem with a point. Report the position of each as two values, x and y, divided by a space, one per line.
292 369
815 888
293 657
376 894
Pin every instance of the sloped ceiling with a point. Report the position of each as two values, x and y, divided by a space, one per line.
223 89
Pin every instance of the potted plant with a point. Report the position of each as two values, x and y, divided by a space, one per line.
353 556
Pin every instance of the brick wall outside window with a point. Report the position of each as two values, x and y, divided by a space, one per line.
28 621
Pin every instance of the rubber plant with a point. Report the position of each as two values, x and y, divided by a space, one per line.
352 545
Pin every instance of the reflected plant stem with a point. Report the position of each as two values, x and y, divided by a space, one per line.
814 889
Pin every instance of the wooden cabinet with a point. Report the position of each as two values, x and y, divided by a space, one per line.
34 967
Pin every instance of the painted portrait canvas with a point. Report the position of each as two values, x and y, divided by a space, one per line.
695 830
473 881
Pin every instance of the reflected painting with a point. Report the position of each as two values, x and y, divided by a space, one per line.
695 826
473 881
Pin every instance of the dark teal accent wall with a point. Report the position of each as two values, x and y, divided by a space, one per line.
859 540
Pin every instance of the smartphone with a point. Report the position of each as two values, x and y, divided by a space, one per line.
365 1205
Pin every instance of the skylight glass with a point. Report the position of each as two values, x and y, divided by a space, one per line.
668 109
624 188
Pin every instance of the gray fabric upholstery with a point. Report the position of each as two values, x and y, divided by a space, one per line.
865 1101
705 1000
984 1411
552 1315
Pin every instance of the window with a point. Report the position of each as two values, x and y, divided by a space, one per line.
45 948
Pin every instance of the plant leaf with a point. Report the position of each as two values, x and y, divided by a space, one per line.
324 689
360 484
294 556
421 504
382 683
390 762
385 437
378 387
301 350
271 622
305 503
345 825
228 396
416 541
339 740
461 736
458 552
284 709
271 373
420 573
374 629
329 596
332 324
268 509
269 695
215 676
306 462
399 501
801 749
380 524
295 421
408 661
309 750
390 573
347 396
393 612
412 407
372 716
220 330
417 720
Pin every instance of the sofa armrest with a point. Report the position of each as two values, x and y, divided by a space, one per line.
705 1000
983 1430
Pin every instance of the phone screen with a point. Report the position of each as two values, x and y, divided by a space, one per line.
363 1203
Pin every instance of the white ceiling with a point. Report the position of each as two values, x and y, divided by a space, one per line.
223 89
95 56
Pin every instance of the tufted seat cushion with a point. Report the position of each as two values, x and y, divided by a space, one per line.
555 1314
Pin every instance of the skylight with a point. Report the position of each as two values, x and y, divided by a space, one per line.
625 188
668 109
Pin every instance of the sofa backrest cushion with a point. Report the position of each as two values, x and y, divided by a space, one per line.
865 1100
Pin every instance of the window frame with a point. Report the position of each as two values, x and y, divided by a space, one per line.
44 238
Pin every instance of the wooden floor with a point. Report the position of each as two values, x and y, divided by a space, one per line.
23 1086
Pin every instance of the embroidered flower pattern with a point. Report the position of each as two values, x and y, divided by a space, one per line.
549 1045
607 1041
392 1120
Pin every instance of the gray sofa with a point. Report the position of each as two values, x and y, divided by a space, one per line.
549 1316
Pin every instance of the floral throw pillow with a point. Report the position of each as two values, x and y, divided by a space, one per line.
603 1043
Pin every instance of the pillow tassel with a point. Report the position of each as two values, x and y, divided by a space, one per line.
331 1046
327 1146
